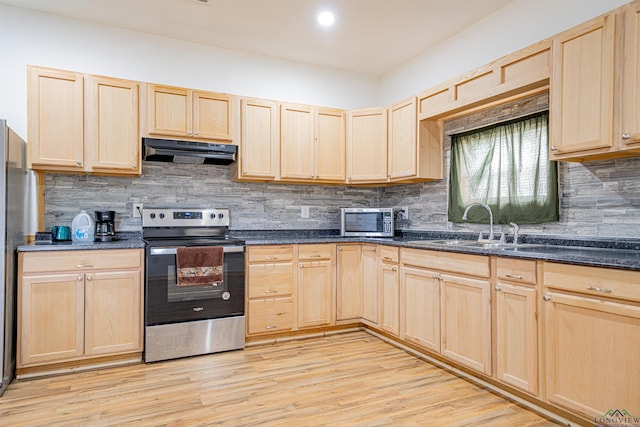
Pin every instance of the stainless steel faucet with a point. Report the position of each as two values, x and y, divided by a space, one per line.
516 229
488 208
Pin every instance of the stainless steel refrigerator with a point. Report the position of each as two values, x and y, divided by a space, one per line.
13 226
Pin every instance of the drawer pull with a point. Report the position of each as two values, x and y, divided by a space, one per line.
597 289
514 276
84 266
270 291
315 256
271 257
271 327
387 258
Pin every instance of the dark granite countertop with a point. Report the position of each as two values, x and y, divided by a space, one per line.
622 253
128 240
601 252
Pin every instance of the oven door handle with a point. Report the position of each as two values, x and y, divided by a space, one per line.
173 249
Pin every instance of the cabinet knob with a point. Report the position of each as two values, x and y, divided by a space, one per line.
626 136
79 162
339 249
546 298
498 288
79 278
301 265
89 278
189 133
244 172
196 133
133 166
554 148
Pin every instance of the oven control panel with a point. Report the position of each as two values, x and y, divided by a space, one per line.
162 217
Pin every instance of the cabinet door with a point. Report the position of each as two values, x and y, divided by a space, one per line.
113 320
370 290
169 111
296 142
51 318
211 116
466 322
113 136
421 293
259 140
315 282
349 282
630 110
367 145
592 354
582 84
56 120
330 145
390 284
403 142
516 336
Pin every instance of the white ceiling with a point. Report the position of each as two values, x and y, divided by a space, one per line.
370 36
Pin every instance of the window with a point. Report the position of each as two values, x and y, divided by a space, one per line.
507 167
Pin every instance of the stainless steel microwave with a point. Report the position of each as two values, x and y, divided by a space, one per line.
366 222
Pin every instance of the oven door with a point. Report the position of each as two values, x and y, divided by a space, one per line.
165 302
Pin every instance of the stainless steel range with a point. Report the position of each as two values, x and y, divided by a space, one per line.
183 320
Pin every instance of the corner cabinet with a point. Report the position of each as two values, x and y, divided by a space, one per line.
189 114
78 305
82 123
367 146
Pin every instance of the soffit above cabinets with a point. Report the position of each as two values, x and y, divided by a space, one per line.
287 29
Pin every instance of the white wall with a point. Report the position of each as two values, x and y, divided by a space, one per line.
515 26
28 37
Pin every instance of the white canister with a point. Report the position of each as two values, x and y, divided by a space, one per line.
82 228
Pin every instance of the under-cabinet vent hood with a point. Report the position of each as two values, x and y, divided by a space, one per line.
170 150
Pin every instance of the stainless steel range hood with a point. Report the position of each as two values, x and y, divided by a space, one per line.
175 151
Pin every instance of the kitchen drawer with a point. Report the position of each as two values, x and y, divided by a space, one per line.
473 265
315 252
271 279
270 315
81 260
623 284
389 254
270 253
517 270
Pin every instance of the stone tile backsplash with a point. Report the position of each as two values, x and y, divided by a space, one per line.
599 198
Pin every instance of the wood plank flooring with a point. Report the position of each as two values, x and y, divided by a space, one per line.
351 379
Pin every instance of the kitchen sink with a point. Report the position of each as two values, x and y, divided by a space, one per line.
474 244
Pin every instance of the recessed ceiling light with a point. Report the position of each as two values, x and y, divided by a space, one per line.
326 18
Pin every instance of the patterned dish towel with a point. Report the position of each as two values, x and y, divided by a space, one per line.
200 265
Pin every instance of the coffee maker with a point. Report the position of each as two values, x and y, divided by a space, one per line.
105 230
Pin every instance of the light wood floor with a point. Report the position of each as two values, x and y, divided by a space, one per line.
351 379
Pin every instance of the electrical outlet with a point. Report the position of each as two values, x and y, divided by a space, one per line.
304 212
403 213
137 210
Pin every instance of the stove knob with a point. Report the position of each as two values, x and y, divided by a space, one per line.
212 216
161 215
220 215
152 215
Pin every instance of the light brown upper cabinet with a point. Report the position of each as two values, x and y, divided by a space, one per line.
367 146
312 144
185 113
82 123
594 102
630 112
259 141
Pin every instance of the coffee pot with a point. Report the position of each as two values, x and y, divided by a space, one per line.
105 229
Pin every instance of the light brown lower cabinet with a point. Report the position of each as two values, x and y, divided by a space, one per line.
75 305
390 286
466 321
592 354
370 284
421 314
349 282
270 289
316 279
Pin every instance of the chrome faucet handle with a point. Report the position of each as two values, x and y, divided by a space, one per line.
480 237
516 229
503 238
